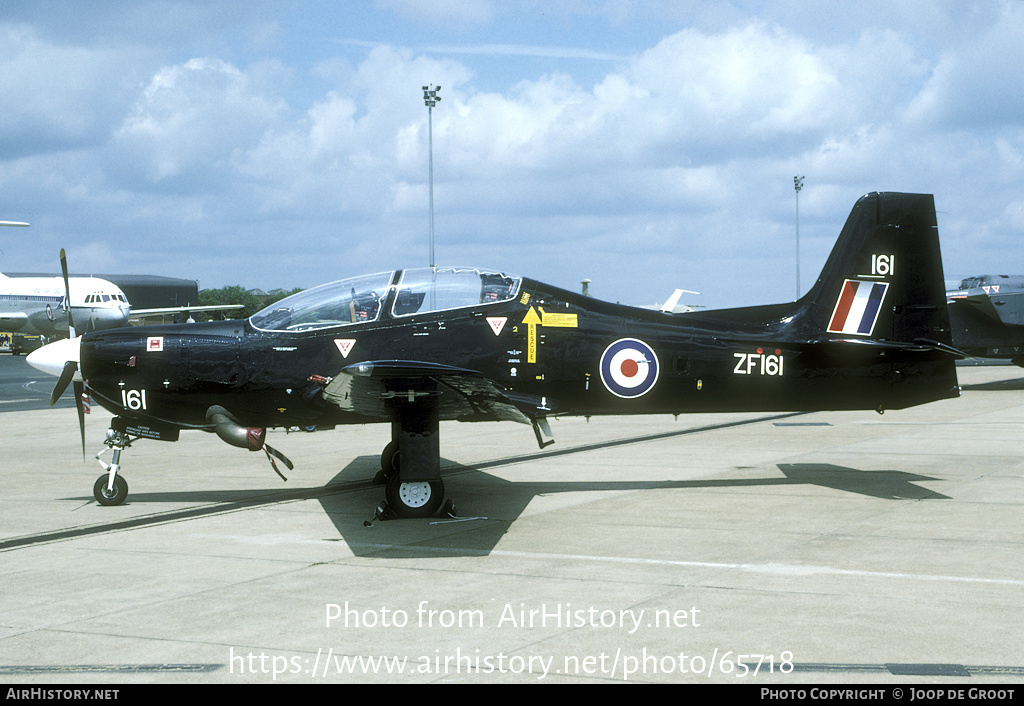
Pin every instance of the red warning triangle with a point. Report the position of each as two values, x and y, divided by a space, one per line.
497 323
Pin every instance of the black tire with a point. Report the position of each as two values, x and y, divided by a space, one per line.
114 497
415 498
388 464
389 459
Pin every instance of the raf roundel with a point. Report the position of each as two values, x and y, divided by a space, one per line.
629 368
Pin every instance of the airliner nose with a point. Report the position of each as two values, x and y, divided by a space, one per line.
52 357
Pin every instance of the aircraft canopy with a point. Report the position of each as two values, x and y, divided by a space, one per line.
364 299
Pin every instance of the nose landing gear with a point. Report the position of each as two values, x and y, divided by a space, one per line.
110 488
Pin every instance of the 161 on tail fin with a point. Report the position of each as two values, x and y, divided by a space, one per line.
883 280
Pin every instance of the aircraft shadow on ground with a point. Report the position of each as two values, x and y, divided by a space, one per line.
486 505
997 386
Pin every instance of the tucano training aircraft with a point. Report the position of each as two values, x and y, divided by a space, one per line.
415 347
987 315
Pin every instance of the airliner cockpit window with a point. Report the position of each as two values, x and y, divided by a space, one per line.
349 301
439 289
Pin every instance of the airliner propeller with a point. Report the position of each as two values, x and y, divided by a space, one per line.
67 292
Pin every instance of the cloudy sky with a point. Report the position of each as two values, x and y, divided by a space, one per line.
643 144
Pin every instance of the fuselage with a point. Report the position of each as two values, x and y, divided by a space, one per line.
572 354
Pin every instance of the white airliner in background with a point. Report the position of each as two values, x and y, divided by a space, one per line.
35 305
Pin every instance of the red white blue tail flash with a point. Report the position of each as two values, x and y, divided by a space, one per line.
857 309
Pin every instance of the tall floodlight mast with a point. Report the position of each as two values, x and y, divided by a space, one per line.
798 183
431 99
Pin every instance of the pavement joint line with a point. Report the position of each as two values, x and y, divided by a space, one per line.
768 568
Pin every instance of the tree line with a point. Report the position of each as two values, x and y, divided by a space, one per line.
235 294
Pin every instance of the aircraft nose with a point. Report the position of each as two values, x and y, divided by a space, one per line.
52 357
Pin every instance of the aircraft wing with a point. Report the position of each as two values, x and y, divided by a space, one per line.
184 309
1006 308
13 321
369 388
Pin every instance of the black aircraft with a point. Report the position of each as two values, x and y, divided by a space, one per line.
987 315
415 347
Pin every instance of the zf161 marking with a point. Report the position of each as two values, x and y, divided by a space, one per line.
759 363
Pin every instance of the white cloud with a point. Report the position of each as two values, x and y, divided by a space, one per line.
667 167
191 118
974 84
443 12
55 97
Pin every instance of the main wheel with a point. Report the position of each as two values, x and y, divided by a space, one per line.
114 496
388 464
389 458
414 498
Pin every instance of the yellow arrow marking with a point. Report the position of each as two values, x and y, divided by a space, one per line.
531 320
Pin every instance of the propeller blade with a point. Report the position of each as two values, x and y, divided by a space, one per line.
67 292
79 388
70 368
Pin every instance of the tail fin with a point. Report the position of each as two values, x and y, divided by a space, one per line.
882 287
883 280
872 333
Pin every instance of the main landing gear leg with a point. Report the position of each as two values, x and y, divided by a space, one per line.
411 463
110 488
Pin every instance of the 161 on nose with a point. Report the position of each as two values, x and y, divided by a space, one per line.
133 399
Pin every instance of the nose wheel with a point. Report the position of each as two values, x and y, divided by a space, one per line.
107 494
110 488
